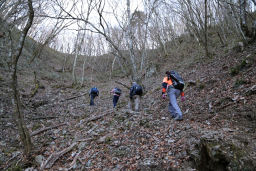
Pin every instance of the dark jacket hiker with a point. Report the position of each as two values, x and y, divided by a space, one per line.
94 92
135 90
116 94
135 96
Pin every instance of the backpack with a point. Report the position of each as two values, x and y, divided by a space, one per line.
138 90
177 80
94 90
118 91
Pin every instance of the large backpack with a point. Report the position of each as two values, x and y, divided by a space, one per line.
94 90
138 90
118 91
177 80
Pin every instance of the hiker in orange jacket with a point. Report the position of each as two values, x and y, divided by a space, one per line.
173 93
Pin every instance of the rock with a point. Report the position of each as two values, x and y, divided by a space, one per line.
102 139
117 143
115 160
117 168
227 130
39 159
2 157
89 163
30 169
251 91
211 154
191 83
170 141
64 132
81 146
150 162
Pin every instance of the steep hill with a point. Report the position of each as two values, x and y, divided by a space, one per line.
217 133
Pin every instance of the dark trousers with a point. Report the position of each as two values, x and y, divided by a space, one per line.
92 99
115 100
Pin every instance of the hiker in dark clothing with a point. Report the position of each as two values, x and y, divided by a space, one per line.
116 94
94 92
135 96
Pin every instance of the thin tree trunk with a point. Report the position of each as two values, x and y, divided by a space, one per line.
19 116
76 55
112 68
243 17
90 53
82 81
205 29
74 67
64 64
130 42
236 23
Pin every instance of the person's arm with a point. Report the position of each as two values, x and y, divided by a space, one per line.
182 96
131 91
164 85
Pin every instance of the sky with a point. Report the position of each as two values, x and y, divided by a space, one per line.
118 6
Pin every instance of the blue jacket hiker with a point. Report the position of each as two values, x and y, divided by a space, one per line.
94 92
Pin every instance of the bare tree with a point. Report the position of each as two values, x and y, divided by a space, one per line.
18 116
129 39
206 28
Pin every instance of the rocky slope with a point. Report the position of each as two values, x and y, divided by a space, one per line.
217 133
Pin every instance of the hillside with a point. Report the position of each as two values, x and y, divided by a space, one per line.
217 133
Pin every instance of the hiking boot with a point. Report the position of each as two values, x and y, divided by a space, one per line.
173 116
178 118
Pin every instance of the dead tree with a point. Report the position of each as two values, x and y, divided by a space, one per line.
18 114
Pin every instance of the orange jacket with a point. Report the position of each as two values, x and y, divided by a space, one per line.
166 83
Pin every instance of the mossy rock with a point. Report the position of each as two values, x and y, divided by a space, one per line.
108 140
239 82
243 65
36 126
212 155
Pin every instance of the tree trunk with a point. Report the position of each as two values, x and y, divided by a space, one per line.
82 81
243 17
205 29
76 55
64 64
74 67
129 40
18 116
90 53
112 68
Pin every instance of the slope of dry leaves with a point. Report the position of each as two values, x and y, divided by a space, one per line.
217 133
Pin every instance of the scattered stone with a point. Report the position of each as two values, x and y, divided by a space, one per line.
30 169
39 159
170 141
150 162
81 146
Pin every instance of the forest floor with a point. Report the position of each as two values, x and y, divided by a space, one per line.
217 131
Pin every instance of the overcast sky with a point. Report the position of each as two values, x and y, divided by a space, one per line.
119 7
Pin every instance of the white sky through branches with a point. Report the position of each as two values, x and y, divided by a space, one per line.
112 9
